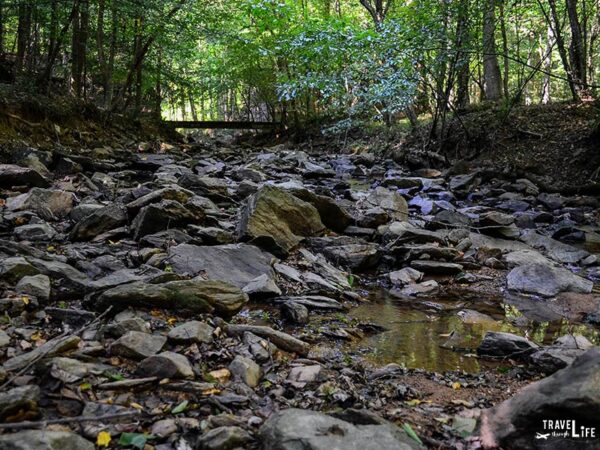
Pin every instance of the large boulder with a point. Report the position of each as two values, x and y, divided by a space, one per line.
194 296
571 395
294 429
49 204
546 281
237 264
277 221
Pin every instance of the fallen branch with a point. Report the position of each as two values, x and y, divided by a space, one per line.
282 340
80 419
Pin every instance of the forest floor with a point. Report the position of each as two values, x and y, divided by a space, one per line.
419 313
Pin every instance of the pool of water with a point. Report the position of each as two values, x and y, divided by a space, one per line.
441 334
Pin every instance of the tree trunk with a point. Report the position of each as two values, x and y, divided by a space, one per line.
547 66
111 56
1 27
491 69
44 79
23 34
577 47
139 67
560 44
462 58
505 64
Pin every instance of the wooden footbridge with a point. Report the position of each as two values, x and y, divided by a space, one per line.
223 124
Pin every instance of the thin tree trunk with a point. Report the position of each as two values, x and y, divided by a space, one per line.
577 47
506 65
560 44
462 58
23 34
111 56
491 68
1 27
46 75
547 66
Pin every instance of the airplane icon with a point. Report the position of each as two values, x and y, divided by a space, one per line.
542 436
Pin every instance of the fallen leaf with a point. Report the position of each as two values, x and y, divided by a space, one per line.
456 386
180 408
103 439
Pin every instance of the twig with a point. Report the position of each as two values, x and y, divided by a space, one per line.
79 419
44 354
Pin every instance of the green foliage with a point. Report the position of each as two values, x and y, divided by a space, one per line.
137 440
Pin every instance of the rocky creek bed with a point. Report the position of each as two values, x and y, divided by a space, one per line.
221 297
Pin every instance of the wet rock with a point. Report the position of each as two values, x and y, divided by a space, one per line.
197 296
137 345
238 264
13 175
37 286
569 394
277 221
35 232
18 401
191 332
246 370
292 429
48 204
294 313
223 438
44 440
546 281
415 289
551 201
166 365
98 222
497 344
574 341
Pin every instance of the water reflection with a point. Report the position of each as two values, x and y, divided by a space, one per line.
432 335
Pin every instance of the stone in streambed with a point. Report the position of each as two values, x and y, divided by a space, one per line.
546 281
572 394
497 344
277 221
246 370
191 332
195 296
166 365
293 429
44 440
137 345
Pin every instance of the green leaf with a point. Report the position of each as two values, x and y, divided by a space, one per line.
351 280
180 408
411 433
115 376
137 440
